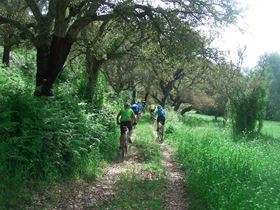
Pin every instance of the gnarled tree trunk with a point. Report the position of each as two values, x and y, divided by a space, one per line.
50 62
92 68
134 95
6 55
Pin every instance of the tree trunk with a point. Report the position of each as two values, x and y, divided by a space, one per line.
134 95
163 100
50 62
146 96
91 85
92 68
186 110
6 55
42 67
177 103
177 106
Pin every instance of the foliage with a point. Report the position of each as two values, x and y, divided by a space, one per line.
270 65
223 174
99 95
47 139
248 105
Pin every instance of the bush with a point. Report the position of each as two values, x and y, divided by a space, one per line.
247 109
45 139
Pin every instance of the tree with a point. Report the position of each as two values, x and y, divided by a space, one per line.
223 80
124 74
9 35
174 62
248 105
56 25
195 72
109 42
269 64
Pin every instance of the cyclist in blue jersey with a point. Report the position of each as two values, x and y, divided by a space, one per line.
160 115
140 109
136 111
135 108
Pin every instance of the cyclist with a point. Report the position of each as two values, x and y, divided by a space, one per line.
140 105
160 116
125 118
152 108
136 109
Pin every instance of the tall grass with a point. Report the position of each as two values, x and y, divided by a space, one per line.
223 173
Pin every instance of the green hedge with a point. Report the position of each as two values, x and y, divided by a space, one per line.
46 139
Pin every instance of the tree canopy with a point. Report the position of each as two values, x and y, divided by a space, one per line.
53 26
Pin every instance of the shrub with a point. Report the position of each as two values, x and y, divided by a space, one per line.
247 108
45 139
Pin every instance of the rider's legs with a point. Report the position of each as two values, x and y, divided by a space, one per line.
162 120
128 124
123 126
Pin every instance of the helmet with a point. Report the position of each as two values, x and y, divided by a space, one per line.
159 107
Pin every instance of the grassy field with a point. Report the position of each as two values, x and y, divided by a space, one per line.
272 129
227 173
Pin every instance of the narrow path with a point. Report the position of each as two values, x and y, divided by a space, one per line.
82 195
176 194
146 183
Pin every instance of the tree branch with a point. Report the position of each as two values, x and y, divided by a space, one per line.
19 26
82 22
35 9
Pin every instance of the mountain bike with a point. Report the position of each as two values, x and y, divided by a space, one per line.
124 142
160 132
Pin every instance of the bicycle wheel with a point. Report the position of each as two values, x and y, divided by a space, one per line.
160 133
122 147
124 144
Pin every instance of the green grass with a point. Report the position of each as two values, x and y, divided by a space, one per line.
136 193
142 185
271 129
227 174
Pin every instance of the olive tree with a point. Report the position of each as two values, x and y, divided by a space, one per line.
56 25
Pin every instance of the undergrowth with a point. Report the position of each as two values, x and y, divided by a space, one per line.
224 173
44 140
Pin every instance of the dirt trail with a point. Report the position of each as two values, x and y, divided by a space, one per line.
176 195
82 195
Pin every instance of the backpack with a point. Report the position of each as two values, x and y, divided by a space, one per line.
135 108
161 113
